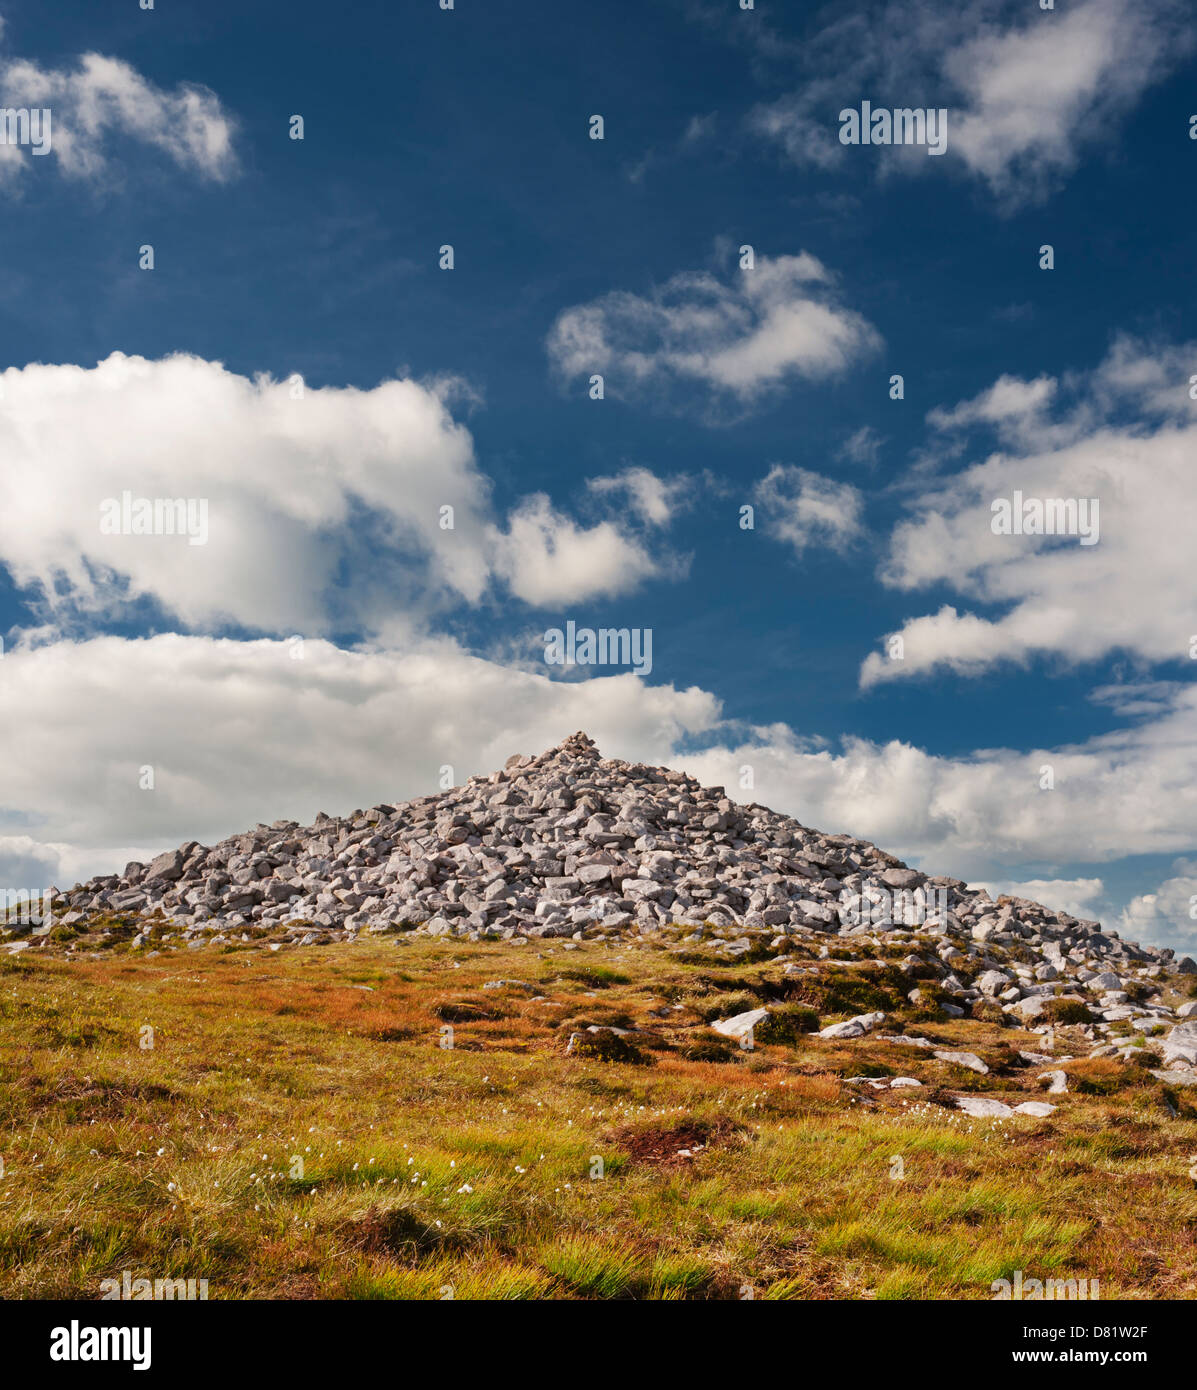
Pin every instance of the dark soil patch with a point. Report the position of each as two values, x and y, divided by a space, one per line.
97 1100
658 1146
465 1011
398 1232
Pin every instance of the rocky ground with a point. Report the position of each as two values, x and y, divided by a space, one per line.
572 845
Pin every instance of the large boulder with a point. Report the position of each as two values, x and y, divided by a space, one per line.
1181 1044
167 867
741 1026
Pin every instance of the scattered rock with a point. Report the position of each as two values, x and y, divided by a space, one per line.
983 1107
1181 1044
964 1059
741 1026
853 1027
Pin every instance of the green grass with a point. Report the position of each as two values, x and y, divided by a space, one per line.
291 1134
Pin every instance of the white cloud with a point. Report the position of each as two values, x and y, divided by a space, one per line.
652 499
1166 916
738 339
1079 897
322 511
1034 96
547 559
284 738
862 446
984 815
803 508
1130 591
1151 378
1027 91
103 103
1011 405
292 485
241 732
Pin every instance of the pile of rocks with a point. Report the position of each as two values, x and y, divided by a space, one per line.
572 844
546 847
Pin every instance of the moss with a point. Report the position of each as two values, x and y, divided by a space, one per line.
786 1024
724 1006
1067 1011
593 976
709 1048
838 991
464 1011
609 1047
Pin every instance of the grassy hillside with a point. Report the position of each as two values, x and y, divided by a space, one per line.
676 1166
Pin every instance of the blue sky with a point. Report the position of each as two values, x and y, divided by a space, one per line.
724 386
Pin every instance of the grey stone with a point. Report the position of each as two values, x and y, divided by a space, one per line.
1039 1108
741 1026
983 1107
963 1059
1181 1044
853 1027
168 867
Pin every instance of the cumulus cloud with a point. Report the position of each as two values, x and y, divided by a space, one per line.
985 815
288 730
737 339
1027 91
325 508
291 482
1034 95
101 104
802 508
241 732
1080 897
548 559
1131 590
1011 406
1167 915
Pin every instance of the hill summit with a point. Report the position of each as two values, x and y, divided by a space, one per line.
572 844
